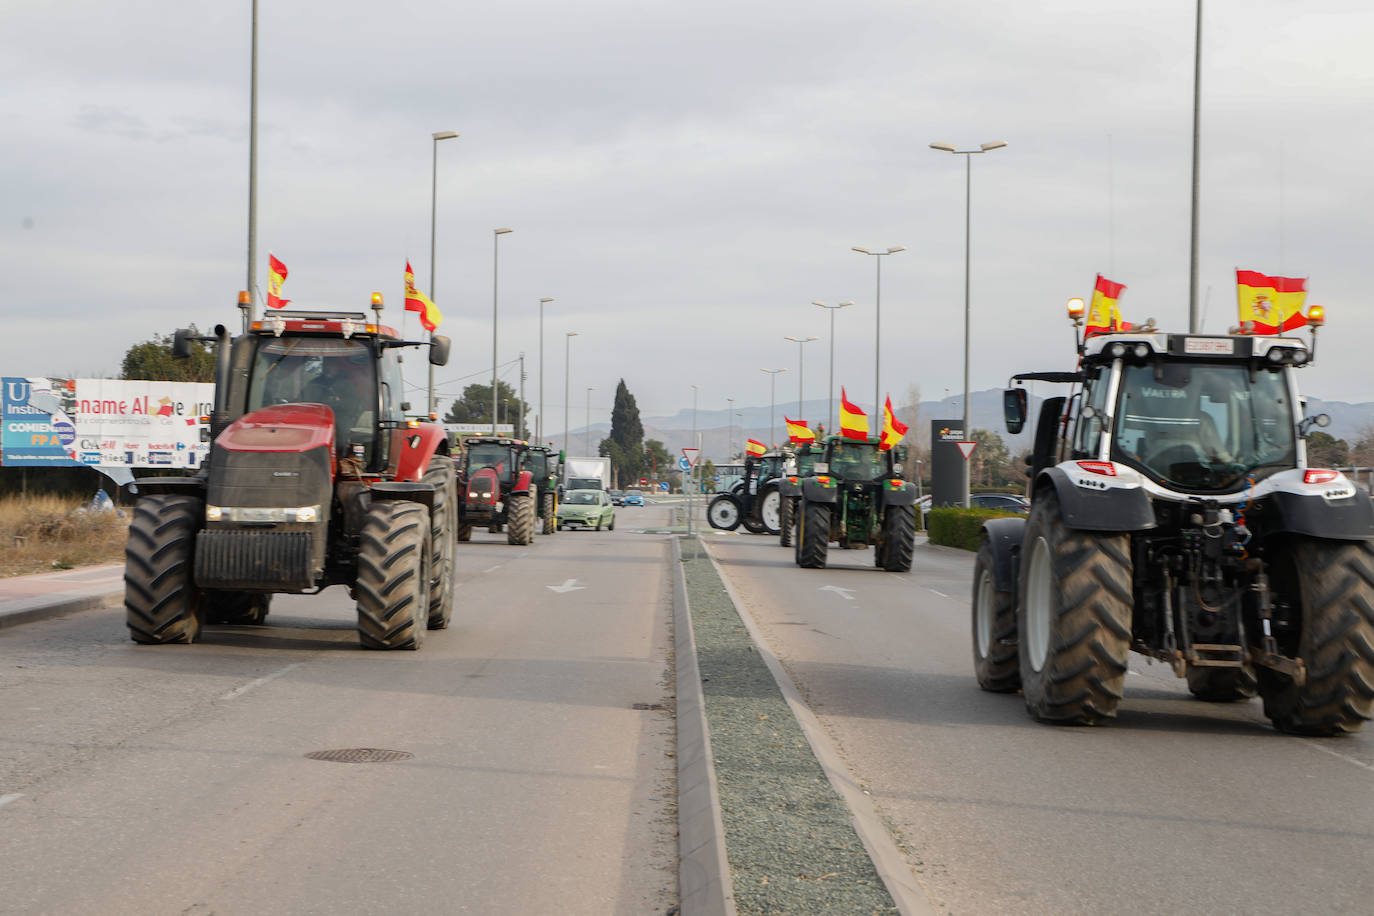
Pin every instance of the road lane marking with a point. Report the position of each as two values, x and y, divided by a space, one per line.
1322 747
842 592
569 585
240 691
492 568
933 591
13 796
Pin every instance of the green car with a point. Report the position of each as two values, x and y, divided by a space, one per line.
586 508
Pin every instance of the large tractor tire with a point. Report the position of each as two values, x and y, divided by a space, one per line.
995 660
813 534
442 541
550 513
520 519
770 510
724 512
239 609
1073 618
787 511
392 587
898 538
1222 685
1334 581
161 602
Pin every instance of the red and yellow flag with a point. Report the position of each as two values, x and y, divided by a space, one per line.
1103 315
798 431
893 429
755 447
1269 305
276 276
416 301
853 421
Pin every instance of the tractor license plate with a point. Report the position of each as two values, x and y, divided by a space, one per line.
1208 345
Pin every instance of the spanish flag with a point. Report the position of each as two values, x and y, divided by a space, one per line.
1269 305
755 447
416 301
798 431
1103 315
893 429
276 276
853 421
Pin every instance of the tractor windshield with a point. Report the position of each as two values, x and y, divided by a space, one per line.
537 463
341 374
1199 426
491 455
857 461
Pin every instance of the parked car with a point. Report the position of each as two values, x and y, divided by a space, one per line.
633 498
586 509
1006 502
617 498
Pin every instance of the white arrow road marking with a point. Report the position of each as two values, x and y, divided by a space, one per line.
568 586
842 592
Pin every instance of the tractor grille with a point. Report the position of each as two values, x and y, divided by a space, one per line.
277 560
269 479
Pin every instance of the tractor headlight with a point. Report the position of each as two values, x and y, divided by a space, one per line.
213 513
1141 350
260 514
1117 350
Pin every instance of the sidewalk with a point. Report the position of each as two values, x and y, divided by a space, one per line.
27 598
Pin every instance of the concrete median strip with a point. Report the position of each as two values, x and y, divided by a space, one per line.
25 599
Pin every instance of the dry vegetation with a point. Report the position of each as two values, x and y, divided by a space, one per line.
43 533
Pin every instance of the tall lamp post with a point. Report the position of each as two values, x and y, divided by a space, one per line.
832 309
968 184
801 343
730 435
567 362
878 323
772 399
539 422
495 261
433 210
587 433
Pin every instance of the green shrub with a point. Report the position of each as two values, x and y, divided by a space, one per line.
958 527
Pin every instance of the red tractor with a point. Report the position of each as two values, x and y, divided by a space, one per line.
314 478
496 489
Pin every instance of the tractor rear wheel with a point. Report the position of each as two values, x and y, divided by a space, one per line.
813 536
1073 618
240 609
520 519
1334 584
770 510
899 538
392 584
550 513
995 661
441 539
724 512
787 510
161 602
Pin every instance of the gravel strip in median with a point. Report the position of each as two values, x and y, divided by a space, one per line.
789 837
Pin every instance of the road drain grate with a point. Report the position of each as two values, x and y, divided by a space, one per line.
646 705
360 755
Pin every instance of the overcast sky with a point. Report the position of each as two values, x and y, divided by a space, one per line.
684 179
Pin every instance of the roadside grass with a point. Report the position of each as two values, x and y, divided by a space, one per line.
45 533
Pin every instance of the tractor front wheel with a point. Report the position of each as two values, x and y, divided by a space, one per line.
995 661
550 503
441 539
724 512
520 519
392 585
161 602
770 510
899 538
813 536
787 511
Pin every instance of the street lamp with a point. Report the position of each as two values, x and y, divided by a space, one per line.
539 423
878 322
772 389
801 343
495 260
832 309
968 180
587 433
567 361
433 209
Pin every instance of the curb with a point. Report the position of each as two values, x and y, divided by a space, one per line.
28 610
704 882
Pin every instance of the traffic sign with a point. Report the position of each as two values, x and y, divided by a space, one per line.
691 455
966 448
663 486
684 464
643 481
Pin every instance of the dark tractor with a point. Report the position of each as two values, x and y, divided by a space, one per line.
856 496
753 499
496 489
1174 513
542 463
789 487
314 478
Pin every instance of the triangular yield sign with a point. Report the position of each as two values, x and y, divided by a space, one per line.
966 448
691 455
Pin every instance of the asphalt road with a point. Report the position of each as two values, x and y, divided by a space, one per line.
174 779
1178 806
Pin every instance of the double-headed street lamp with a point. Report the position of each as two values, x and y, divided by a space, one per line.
878 323
567 362
433 208
968 181
539 422
801 343
495 260
772 398
832 309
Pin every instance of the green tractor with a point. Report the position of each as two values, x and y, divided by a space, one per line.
789 486
543 463
856 496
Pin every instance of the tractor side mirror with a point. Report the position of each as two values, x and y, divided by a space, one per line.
439 347
1014 409
181 344
899 454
